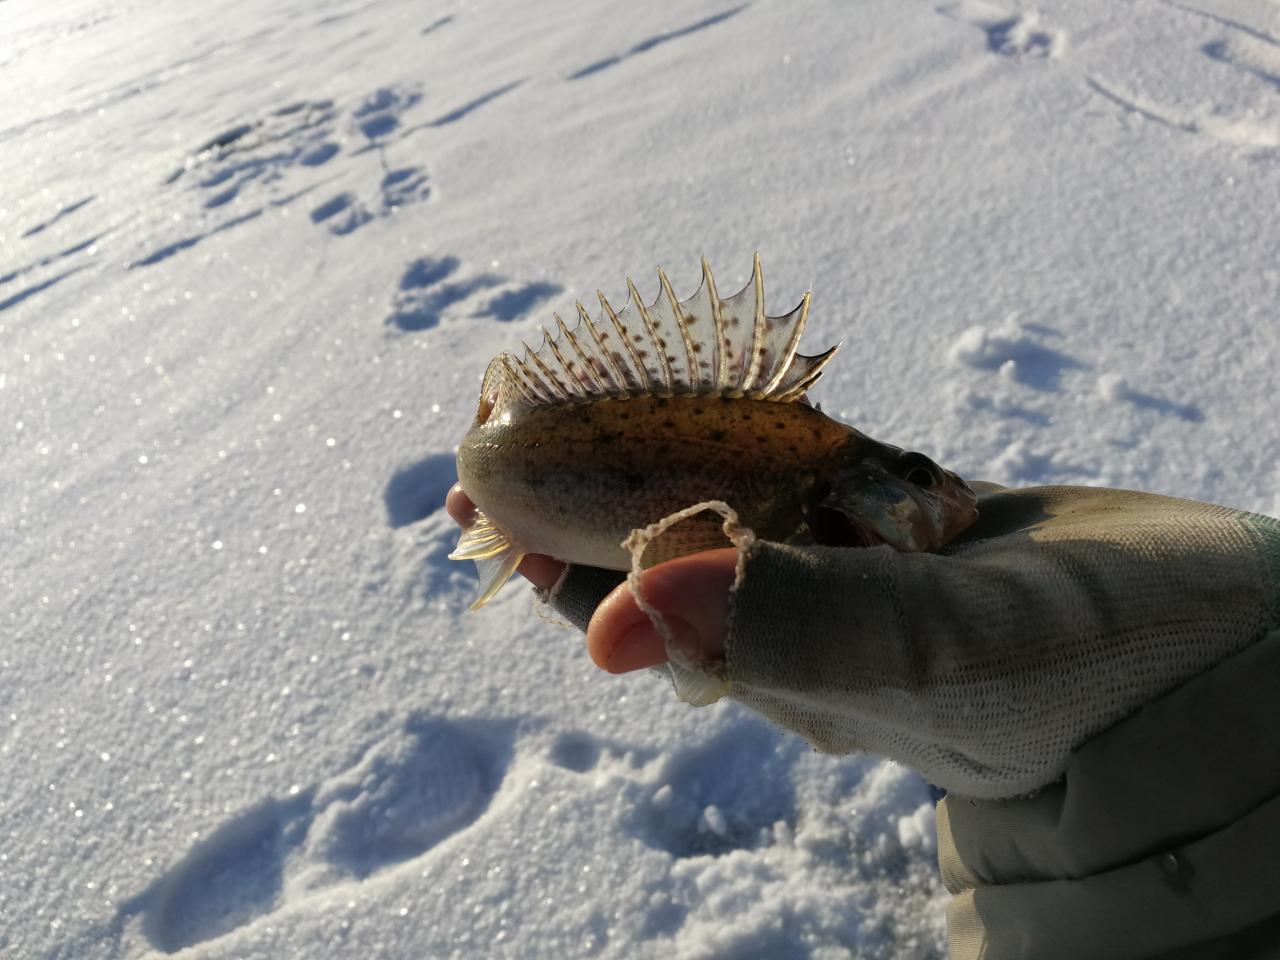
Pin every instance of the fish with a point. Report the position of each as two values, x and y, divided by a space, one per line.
632 417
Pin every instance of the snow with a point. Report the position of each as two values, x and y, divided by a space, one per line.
253 261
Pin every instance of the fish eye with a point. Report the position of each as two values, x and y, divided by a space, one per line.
918 469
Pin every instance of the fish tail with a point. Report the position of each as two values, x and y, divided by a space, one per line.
495 556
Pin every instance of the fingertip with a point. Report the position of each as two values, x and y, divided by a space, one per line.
621 637
691 593
459 506
540 570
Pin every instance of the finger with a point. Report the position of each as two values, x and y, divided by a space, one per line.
691 593
460 506
541 571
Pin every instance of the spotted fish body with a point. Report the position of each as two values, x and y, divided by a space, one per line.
636 415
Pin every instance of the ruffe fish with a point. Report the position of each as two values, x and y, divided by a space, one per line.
633 416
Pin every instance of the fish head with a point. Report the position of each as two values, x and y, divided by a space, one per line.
884 494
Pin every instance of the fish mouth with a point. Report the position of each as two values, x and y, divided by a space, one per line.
835 528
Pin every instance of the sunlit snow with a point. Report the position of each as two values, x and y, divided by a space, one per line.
254 258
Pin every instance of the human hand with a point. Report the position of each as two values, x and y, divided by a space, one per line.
691 592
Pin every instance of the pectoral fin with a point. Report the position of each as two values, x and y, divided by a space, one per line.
693 687
494 555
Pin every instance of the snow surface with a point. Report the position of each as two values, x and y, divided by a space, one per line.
253 260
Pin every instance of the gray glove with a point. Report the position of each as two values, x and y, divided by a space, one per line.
984 667
580 591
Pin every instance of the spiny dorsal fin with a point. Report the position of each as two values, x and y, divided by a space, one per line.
703 346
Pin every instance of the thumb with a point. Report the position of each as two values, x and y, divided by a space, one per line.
691 593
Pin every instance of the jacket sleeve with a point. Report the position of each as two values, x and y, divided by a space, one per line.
986 667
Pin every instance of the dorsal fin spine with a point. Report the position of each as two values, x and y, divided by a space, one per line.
509 367
532 378
717 316
532 381
553 382
691 359
606 356
597 385
664 387
639 367
784 361
583 391
795 391
757 334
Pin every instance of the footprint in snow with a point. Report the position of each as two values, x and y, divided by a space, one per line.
320 154
724 795
433 287
1017 351
576 751
259 151
244 170
1009 34
398 188
422 782
270 161
380 113
404 186
580 751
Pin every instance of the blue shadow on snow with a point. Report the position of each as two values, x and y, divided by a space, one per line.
418 490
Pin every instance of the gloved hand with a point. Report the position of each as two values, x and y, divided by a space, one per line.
1060 612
